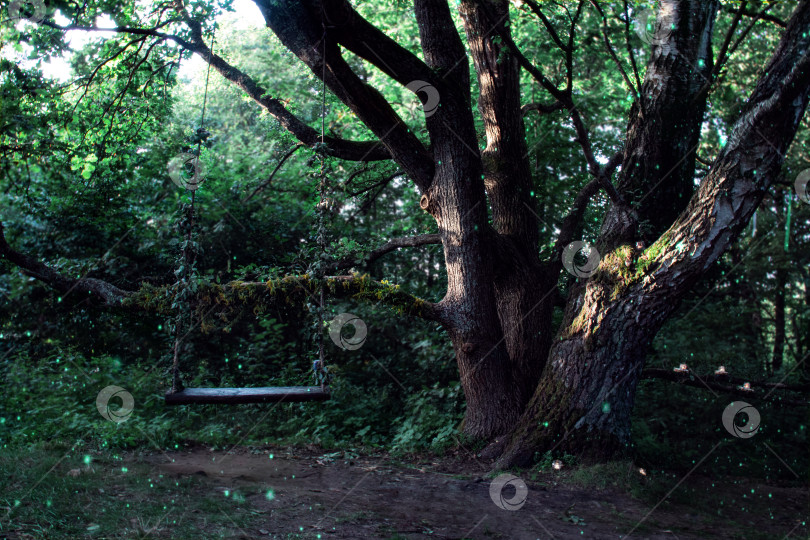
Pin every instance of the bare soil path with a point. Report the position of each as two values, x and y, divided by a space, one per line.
306 493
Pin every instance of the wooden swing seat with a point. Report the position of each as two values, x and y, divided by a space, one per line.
231 396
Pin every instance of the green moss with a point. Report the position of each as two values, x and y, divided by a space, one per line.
617 271
229 301
651 254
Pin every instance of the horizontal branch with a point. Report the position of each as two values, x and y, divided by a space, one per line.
729 384
755 15
257 295
99 290
388 247
226 302
542 108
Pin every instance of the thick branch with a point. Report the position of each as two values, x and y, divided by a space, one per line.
371 44
302 29
279 291
665 126
227 302
335 147
339 148
743 172
99 290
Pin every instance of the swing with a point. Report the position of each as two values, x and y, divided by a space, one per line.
178 395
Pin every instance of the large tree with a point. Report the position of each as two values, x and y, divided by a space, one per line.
533 384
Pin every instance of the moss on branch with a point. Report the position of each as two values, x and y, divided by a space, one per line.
227 301
618 270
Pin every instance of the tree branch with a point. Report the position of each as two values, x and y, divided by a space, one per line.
542 108
727 384
573 221
629 46
100 290
388 247
564 97
371 44
273 174
535 8
339 148
281 291
611 51
302 29
727 48
742 173
226 302
755 15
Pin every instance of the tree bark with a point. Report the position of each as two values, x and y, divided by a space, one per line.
457 201
658 168
522 290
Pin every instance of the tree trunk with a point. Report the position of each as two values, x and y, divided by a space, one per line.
457 201
658 168
521 288
583 401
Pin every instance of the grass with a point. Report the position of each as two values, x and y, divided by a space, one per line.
73 494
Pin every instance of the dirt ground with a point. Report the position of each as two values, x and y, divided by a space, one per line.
306 493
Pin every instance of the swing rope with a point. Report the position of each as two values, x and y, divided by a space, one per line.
319 367
189 255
